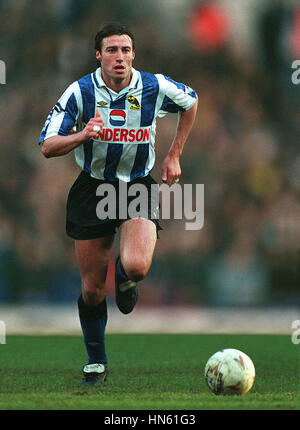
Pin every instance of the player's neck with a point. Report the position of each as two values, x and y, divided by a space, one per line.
116 85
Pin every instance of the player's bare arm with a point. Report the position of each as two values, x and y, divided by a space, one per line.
171 167
56 146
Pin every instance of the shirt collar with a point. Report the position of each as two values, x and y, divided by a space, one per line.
101 84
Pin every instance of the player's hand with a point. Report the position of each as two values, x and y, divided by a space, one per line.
171 170
93 127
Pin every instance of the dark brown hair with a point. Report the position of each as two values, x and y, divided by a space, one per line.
110 29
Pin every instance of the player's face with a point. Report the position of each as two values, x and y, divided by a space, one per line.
116 58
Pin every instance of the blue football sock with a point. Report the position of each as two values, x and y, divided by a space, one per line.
120 269
93 321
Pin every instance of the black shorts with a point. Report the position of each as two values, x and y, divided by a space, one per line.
83 221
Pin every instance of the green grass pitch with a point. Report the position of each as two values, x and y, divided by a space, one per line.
146 372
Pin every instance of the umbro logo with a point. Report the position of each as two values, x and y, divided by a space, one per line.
101 103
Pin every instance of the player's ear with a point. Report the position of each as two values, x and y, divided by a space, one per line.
98 55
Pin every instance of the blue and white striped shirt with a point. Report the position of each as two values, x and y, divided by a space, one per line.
125 150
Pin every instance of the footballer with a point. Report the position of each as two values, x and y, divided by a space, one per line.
108 119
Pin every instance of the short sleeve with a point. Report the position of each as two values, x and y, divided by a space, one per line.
62 117
177 96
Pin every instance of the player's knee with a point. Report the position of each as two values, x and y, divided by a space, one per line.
136 270
93 294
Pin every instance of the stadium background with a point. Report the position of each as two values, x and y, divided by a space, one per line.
241 271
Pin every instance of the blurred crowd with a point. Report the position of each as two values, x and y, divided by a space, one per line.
243 148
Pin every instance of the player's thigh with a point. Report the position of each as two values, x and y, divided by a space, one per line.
93 258
137 244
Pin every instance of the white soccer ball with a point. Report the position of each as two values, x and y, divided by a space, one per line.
229 371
